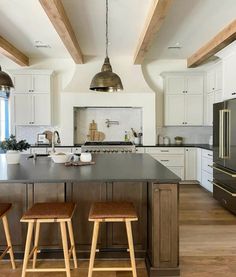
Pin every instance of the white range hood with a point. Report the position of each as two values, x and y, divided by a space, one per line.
136 93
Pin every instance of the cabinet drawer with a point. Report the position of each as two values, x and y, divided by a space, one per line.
164 150
207 178
206 163
207 154
169 160
225 197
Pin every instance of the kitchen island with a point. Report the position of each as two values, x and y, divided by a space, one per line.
128 177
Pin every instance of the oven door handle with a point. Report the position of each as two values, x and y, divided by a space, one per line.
220 187
221 170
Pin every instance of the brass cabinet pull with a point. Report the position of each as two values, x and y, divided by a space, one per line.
221 170
165 160
232 194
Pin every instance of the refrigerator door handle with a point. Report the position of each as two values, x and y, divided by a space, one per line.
223 171
220 187
224 133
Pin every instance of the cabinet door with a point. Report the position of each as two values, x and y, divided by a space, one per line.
41 109
16 194
218 77
135 192
175 85
194 84
41 83
84 194
190 164
229 80
50 236
22 107
174 110
194 110
218 96
211 80
209 107
22 83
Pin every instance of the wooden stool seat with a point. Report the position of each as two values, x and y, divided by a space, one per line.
112 212
49 213
4 208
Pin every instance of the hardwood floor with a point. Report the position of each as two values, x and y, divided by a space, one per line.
207 235
207 242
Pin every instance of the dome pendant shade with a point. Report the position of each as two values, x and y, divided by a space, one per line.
5 84
106 80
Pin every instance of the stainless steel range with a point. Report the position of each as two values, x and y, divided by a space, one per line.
108 147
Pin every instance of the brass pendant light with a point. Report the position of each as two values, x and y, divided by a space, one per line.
5 84
106 80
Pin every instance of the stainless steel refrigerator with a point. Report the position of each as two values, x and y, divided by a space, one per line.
224 153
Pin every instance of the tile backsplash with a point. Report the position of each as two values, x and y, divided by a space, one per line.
190 134
127 118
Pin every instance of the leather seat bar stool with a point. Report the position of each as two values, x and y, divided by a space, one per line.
49 213
112 212
4 208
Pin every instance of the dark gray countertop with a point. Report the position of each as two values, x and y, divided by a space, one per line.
112 167
203 146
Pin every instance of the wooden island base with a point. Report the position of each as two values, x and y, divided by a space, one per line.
137 178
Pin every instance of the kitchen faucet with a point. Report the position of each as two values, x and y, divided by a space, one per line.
54 134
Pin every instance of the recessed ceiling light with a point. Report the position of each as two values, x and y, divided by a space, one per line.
175 46
40 44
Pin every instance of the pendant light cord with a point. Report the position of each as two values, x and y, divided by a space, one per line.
106 28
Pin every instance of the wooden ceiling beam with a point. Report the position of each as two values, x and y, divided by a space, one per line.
153 24
220 41
57 15
11 52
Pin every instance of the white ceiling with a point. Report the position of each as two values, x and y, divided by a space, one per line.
189 22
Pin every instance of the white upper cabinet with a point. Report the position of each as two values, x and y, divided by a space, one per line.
34 82
31 98
175 85
41 83
22 83
194 84
175 104
229 80
213 91
183 99
194 110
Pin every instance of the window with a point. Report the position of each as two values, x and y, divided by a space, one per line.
4 119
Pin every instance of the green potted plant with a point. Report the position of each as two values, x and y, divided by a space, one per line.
13 149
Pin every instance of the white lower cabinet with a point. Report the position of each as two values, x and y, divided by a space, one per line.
190 163
171 157
207 171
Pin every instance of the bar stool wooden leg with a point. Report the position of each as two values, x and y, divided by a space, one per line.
36 242
8 239
93 248
65 247
27 247
72 242
131 247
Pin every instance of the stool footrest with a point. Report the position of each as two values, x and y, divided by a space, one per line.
46 270
5 252
112 269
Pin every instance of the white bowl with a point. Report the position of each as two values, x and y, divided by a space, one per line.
86 157
60 158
